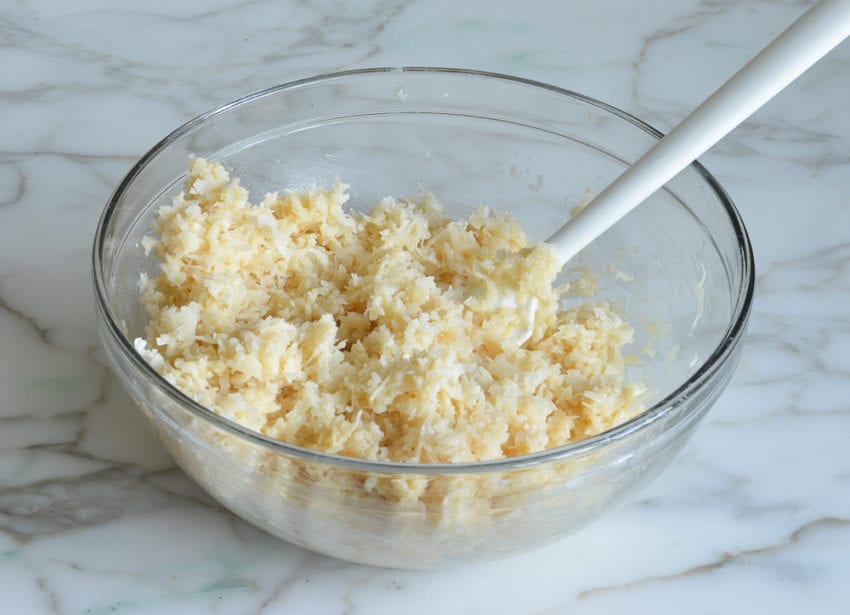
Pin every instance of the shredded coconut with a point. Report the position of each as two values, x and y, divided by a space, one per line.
382 336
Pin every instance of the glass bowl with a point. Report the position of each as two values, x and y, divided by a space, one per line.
679 268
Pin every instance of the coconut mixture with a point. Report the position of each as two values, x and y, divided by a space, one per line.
394 335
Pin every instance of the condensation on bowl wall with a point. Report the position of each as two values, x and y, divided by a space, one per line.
487 141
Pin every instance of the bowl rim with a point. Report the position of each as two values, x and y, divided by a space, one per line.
668 405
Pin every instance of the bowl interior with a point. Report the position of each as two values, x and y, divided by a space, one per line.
675 266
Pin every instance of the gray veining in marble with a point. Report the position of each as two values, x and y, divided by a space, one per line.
95 518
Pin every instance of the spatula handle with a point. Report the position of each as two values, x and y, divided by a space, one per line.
806 41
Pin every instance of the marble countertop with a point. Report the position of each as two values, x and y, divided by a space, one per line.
94 516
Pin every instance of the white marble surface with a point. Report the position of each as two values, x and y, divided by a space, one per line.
753 516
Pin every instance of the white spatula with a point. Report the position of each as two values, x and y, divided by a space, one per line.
806 41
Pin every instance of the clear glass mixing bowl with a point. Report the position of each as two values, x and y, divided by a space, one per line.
679 267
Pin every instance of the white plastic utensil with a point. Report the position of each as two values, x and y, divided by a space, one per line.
806 41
